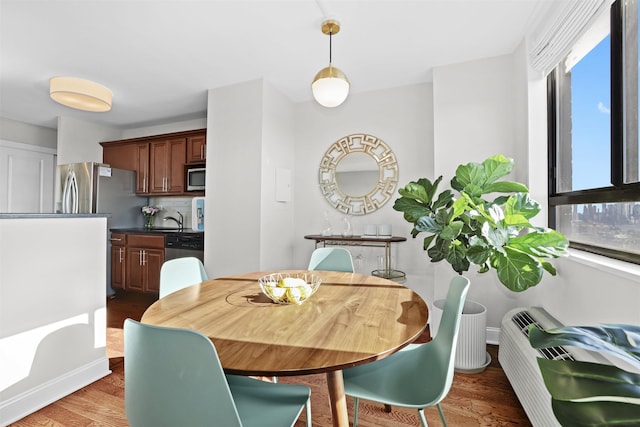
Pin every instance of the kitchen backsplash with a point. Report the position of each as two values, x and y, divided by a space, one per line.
170 207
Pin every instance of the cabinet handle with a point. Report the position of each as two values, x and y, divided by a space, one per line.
121 253
140 258
144 258
115 240
201 152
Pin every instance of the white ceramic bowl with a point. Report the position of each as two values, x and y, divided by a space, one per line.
289 288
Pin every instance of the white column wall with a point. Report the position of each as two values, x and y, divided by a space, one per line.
234 173
278 151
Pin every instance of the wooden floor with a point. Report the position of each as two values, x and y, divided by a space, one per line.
484 399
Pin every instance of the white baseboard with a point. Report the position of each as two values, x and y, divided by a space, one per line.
25 403
493 335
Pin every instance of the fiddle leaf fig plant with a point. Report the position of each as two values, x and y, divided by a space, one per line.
467 228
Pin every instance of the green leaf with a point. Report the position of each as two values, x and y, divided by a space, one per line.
517 270
430 188
459 207
572 379
428 224
412 209
496 167
452 230
478 254
457 257
443 201
549 244
471 174
622 341
504 187
548 267
439 250
596 414
417 191
427 241
522 204
517 220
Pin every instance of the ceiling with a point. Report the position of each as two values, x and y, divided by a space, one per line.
160 57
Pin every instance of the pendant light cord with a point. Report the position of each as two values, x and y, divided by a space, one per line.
330 36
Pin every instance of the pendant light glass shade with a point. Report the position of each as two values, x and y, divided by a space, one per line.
80 94
330 87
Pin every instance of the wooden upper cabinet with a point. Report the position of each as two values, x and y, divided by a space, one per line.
141 158
158 160
120 156
197 149
167 159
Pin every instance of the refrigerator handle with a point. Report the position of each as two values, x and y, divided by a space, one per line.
73 193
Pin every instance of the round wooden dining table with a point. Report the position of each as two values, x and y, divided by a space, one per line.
350 320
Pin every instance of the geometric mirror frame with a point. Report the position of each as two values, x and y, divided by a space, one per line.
358 174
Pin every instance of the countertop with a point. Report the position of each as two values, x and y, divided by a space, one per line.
157 230
52 215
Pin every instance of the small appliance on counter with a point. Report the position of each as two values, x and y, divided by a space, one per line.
197 214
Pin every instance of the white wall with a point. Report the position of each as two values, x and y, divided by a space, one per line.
277 235
52 309
403 118
78 140
494 106
177 126
234 173
12 130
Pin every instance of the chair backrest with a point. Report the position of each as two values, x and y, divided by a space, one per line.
331 259
173 377
444 344
179 273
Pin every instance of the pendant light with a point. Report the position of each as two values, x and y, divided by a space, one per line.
80 94
330 87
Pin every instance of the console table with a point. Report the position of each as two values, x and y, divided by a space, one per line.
374 241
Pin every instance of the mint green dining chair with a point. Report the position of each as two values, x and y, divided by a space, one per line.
418 376
179 273
331 259
173 377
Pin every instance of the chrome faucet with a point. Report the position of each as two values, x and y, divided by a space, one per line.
178 221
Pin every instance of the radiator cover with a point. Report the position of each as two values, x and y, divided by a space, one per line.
518 360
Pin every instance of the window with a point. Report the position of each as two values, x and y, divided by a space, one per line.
594 190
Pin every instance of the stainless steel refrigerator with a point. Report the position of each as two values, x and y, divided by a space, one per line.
90 187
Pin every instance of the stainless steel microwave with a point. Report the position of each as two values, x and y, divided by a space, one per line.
196 178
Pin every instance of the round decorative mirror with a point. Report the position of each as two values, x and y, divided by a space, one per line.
358 174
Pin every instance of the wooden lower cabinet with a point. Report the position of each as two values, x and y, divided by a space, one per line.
118 258
136 264
143 269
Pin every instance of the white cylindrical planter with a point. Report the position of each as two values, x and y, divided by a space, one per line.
471 352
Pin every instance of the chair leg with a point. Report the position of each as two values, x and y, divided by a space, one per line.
423 420
444 421
355 411
387 408
308 405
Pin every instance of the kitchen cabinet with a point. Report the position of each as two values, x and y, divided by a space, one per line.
159 160
136 260
120 156
197 149
166 165
118 258
142 168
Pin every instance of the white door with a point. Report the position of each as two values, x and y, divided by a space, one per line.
26 178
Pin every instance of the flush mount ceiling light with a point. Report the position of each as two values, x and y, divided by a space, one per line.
80 94
330 87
